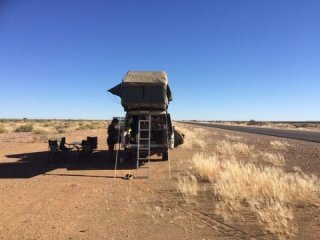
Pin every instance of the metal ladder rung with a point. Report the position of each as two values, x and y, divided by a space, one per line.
144 142
144 120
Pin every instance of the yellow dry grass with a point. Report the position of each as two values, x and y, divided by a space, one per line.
54 126
279 144
276 159
297 169
232 137
224 147
268 192
194 137
155 212
188 186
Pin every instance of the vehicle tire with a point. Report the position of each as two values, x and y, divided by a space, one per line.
165 156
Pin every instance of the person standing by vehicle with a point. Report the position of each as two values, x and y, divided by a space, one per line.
112 136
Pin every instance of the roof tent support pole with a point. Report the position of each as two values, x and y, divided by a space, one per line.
167 129
149 143
117 151
138 146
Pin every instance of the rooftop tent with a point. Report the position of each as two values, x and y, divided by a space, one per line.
116 90
143 78
144 91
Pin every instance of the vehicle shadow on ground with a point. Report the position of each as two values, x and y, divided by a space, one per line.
33 164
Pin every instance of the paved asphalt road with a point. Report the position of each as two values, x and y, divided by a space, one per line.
299 135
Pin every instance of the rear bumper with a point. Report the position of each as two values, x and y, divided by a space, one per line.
154 148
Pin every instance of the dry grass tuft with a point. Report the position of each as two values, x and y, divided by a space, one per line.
276 159
276 217
279 144
188 186
297 169
155 212
40 131
231 148
50 126
268 192
2 129
194 137
206 169
233 137
24 128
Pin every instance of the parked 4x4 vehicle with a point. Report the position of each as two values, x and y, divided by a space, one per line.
145 97
161 133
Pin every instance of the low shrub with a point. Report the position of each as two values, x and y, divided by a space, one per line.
279 144
60 129
24 128
252 122
39 131
85 126
2 129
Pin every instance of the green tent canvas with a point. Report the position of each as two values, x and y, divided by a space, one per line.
142 90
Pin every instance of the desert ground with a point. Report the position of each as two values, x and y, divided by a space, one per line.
218 185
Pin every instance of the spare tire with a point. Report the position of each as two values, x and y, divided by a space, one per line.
178 138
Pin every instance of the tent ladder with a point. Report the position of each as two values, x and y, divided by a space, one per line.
144 142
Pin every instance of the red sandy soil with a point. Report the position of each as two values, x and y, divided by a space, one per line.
83 200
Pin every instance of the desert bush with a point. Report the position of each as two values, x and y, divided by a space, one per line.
232 137
2 129
252 122
93 125
231 148
268 192
85 126
43 138
60 129
99 124
24 128
206 168
66 124
297 169
47 124
276 159
188 186
39 131
193 137
279 144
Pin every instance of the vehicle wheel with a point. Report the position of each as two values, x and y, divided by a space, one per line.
165 156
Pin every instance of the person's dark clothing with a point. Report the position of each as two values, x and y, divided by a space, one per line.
112 135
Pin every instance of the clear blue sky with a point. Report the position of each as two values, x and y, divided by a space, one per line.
226 60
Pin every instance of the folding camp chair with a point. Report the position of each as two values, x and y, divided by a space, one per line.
86 150
93 142
63 147
53 154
